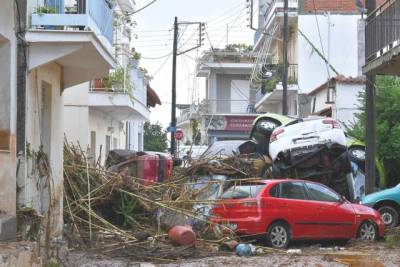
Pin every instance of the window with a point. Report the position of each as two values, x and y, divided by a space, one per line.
108 144
274 191
322 193
293 190
243 191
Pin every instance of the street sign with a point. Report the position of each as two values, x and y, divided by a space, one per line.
179 134
171 129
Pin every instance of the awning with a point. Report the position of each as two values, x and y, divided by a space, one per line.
152 97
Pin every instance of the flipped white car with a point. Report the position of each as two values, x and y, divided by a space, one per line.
313 149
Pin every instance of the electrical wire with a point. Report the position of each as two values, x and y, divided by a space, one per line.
140 9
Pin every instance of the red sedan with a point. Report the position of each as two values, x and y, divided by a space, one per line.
289 209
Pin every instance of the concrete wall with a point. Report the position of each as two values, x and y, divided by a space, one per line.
342 49
7 118
347 102
76 114
44 128
220 90
104 125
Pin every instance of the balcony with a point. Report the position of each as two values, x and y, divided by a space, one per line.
120 103
272 15
78 37
225 60
382 40
92 15
271 83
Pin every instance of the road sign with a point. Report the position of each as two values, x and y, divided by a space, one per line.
171 129
179 134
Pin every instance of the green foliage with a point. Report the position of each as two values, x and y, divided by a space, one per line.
388 125
155 138
115 80
137 56
146 75
196 135
45 10
238 48
127 209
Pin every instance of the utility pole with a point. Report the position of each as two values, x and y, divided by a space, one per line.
173 108
285 58
176 53
370 126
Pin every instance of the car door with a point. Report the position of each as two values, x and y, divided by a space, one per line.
294 206
336 217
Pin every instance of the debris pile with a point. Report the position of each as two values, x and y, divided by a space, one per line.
119 214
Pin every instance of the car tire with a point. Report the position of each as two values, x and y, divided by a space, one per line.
390 216
368 231
278 235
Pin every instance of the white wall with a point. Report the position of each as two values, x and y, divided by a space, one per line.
7 122
31 193
105 125
76 114
343 48
347 102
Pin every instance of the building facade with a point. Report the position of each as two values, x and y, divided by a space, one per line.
227 112
317 50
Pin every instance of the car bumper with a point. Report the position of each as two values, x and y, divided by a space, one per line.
248 226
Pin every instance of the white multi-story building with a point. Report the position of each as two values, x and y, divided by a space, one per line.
109 113
60 45
325 40
227 112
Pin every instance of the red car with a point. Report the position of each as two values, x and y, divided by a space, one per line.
288 209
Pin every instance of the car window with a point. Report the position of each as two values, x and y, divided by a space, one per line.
322 193
292 190
274 191
243 191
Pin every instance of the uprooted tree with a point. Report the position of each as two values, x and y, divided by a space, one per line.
155 138
387 125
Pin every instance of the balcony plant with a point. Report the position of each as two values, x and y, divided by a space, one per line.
41 10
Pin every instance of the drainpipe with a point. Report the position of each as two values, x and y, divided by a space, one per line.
22 54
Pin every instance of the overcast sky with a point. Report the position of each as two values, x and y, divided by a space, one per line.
154 39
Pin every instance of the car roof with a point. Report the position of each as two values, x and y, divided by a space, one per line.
276 181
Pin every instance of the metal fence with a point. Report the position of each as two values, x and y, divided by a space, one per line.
382 29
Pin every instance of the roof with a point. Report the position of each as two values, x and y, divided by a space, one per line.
339 79
152 97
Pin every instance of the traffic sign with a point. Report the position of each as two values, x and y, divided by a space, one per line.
179 134
171 129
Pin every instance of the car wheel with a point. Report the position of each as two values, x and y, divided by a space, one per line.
368 231
278 235
390 216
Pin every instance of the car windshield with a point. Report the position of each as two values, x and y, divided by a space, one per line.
209 192
243 191
223 148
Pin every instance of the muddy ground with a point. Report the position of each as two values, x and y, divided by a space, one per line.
355 254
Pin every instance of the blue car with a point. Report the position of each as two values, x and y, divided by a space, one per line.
387 202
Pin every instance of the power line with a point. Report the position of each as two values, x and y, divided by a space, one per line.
140 9
160 57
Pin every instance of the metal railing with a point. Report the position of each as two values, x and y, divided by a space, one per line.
96 15
382 29
292 79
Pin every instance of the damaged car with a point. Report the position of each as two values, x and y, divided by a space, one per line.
315 149
283 210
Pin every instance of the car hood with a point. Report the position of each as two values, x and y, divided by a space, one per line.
392 193
364 210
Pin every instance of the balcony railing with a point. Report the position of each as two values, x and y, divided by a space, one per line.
276 7
277 78
94 15
382 31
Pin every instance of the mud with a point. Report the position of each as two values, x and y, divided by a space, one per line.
356 254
